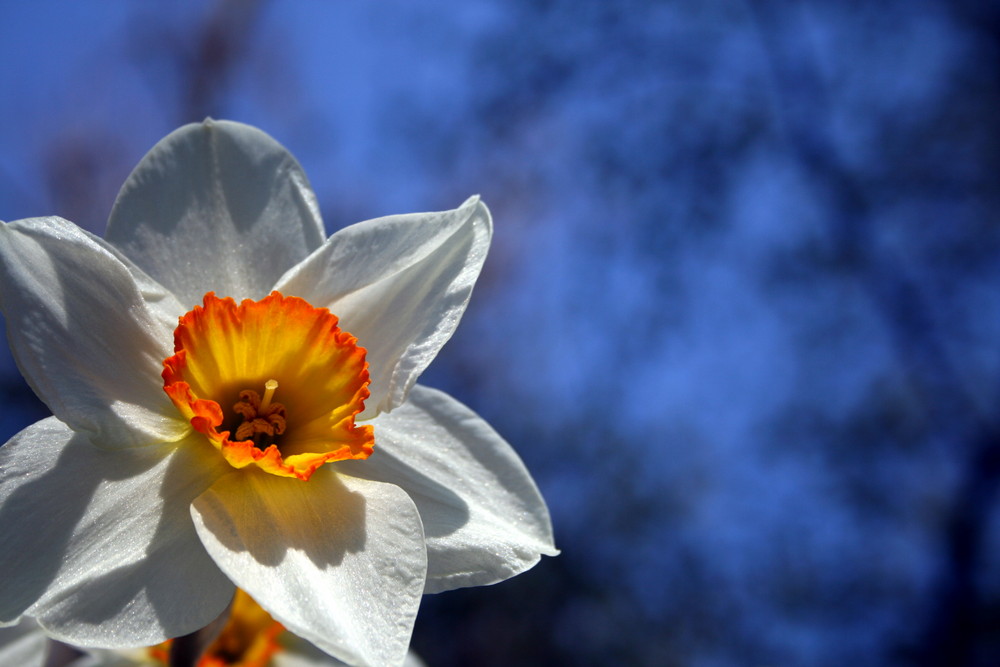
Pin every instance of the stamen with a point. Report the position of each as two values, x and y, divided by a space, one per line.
269 388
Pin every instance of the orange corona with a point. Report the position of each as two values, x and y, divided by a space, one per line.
273 383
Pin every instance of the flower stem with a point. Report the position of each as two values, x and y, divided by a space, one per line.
185 651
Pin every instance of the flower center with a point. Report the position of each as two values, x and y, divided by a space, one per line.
224 351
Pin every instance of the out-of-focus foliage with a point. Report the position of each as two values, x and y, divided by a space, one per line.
740 317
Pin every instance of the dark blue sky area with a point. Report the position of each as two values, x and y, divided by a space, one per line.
740 315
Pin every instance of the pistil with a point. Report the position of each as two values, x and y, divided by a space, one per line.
269 388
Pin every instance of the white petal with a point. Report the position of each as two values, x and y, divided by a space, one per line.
483 517
99 545
339 561
400 284
83 336
413 660
116 658
301 653
23 645
160 301
216 206
315 659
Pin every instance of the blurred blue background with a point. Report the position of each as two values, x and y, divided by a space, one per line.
740 316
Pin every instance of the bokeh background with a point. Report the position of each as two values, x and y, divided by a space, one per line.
740 316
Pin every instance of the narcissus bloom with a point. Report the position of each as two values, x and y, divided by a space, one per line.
234 404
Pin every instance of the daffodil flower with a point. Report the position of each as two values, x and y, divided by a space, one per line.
249 638
234 403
